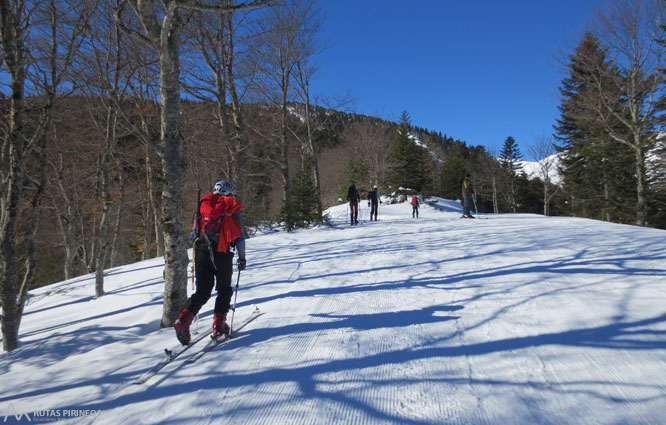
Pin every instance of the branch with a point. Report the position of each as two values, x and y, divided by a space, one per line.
131 32
197 5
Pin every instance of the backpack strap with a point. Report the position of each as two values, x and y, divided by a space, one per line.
210 248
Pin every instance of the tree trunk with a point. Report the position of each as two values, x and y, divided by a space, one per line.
15 179
545 198
67 223
173 165
153 208
103 230
605 213
119 214
33 227
495 205
148 227
284 144
236 132
311 148
13 53
641 203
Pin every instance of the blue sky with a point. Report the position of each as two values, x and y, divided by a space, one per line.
476 70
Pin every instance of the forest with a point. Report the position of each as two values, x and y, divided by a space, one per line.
118 115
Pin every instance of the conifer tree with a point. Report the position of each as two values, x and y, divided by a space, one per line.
510 160
627 94
511 155
410 163
453 173
596 172
303 208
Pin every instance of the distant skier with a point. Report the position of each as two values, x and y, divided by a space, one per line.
354 198
374 199
218 229
468 196
415 207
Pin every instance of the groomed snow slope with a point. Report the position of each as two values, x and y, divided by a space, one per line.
507 319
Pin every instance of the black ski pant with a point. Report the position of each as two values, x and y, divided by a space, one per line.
415 211
353 212
208 276
467 204
373 209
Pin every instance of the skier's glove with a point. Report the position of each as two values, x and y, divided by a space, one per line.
241 264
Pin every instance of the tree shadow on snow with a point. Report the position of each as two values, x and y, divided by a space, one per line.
474 272
317 381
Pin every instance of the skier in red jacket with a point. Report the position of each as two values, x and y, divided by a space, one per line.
218 230
415 207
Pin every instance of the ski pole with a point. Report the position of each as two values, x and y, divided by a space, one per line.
233 309
194 250
476 211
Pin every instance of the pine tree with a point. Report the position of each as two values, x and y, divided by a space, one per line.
510 156
628 90
303 208
510 160
596 172
410 163
453 173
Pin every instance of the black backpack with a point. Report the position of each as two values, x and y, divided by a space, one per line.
352 194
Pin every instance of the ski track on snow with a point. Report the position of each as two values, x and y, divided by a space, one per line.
505 319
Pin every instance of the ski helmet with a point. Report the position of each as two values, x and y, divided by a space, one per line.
223 188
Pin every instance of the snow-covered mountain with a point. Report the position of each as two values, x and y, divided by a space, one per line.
536 169
503 319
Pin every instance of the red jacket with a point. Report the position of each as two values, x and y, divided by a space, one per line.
213 206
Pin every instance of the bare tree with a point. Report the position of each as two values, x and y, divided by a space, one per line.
67 210
367 140
13 29
107 84
543 152
220 43
140 121
120 211
160 25
493 173
38 40
304 72
631 30
280 46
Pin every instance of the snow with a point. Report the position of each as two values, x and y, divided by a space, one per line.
518 319
534 169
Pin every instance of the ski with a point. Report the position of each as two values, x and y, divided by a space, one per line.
171 355
214 342
476 217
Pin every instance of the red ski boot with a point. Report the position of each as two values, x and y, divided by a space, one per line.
182 326
220 326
